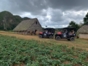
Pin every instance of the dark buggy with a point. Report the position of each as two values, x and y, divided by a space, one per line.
47 33
66 33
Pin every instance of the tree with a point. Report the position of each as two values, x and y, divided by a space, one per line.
86 19
74 25
26 18
4 20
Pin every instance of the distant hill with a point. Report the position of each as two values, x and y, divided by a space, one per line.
8 21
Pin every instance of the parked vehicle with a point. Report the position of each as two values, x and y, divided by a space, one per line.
66 33
47 33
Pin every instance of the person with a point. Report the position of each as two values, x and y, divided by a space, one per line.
71 32
35 32
46 31
65 33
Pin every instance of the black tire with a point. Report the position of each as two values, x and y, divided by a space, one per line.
71 39
57 37
40 36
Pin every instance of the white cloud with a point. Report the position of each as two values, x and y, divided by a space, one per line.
57 18
76 16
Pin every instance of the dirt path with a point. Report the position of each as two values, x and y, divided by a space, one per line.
78 43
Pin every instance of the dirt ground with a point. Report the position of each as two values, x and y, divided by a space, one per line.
78 43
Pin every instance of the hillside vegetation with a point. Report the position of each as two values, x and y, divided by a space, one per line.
8 21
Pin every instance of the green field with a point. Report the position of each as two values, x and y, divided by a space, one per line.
19 52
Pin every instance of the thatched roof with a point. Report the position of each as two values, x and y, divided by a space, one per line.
83 30
25 24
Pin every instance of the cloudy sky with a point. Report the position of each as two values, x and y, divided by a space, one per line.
51 13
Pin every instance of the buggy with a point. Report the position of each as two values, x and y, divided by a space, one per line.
47 33
66 33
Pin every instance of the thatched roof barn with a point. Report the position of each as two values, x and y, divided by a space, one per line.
28 25
83 32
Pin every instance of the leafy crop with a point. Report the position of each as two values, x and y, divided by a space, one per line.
14 52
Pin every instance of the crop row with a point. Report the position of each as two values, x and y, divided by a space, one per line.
15 52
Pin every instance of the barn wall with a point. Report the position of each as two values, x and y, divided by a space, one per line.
84 36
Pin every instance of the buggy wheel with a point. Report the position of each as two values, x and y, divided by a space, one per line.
57 37
40 36
71 39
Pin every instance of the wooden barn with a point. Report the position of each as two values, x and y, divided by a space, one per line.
30 26
83 32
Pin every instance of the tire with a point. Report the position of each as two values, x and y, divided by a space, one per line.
57 37
40 36
71 39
